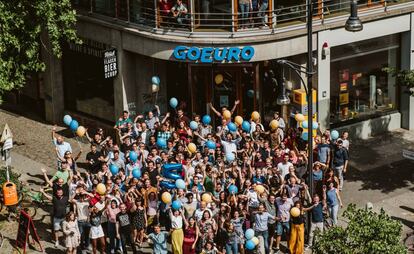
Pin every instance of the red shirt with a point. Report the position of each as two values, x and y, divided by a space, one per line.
165 6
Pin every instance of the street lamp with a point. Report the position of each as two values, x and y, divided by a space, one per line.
353 24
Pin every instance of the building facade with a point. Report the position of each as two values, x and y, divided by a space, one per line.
217 52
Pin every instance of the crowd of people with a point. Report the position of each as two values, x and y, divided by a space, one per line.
187 187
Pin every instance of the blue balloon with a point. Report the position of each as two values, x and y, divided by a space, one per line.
250 245
67 119
167 185
114 169
161 142
305 136
249 234
136 173
334 134
73 125
210 144
315 125
155 80
246 126
133 156
206 119
233 189
250 93
176 204
180 184
173 102
230 157
305 124
232 127
193 125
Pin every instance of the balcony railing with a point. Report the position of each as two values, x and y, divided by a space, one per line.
222 15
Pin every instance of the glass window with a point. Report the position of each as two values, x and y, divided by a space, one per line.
360 89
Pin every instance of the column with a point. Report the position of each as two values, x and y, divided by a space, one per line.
324 82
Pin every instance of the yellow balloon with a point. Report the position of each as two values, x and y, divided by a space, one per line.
206 197
101 189
255 240
295 212
238 120
274 124
260 188
299 117
218 79
81 131
227 114
192 148
166 197
255 115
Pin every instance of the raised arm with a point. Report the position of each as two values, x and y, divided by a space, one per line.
235 106
47 180
46 195
214 110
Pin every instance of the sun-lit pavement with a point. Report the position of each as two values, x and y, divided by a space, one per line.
378 173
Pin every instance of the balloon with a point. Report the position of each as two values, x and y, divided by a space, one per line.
250 93
161 142
250 245
255 240
305 136
133 156
101 189
249 234
155 88
238 120
260 188
155 80
218 79
315 125
192 148
305 124
334 134
67 119
210 144
230 157
233 189
274 124
180 184
246 126
227 114
173 102
299 117
176 204
193 125
74 125
206 197
295 212
114 169
166 197
206 119
136 173
255 115
232 127
80 131
167 185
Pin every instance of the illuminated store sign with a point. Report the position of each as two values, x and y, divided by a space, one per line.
210 55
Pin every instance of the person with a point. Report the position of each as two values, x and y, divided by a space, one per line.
139 218
260 225
270 205
316 210
340 162
297 232
61 145
71 231
276 115
94 159
177 235
244 6
284 204
284 166
81 208
159 240
333 201
123 121
191 233
111 211
179 12
97 234
124 229
324 151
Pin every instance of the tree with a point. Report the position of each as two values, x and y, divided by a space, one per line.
21 24
367 232
404 78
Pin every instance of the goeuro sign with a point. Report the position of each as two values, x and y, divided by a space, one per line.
210 55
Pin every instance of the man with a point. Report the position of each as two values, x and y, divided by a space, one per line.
159 240
164 132
324 151
152 172
61 146
198 214
276 115
181 117
124 229
345 140
317 217
230 144
270 206
152 119
144 133
60 202
340 162
261 221
284 166
179 12
123 122
190 206
284 204
81 207
220 115
116 160
63 173
94 159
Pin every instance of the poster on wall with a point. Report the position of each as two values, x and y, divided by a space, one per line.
110 63
344 75
224 101
344 98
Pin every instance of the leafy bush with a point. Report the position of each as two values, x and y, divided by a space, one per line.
14 177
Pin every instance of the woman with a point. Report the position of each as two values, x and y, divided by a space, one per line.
208 228
191 232
152 210
111 211
183 131
231 239
333 201
71 161
330 177
238 222
139 219
177 235
96 233
71 231
297 231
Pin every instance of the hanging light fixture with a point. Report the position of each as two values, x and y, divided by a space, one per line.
353 24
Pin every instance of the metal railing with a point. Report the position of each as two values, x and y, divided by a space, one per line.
226 17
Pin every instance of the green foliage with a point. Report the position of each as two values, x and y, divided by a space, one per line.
21 24
404 78
14 177
367 232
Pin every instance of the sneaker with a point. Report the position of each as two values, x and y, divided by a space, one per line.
89 248
276 250
57 244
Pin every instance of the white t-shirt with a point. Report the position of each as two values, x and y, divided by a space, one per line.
284 168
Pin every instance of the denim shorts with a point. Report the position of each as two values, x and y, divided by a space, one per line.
282 226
